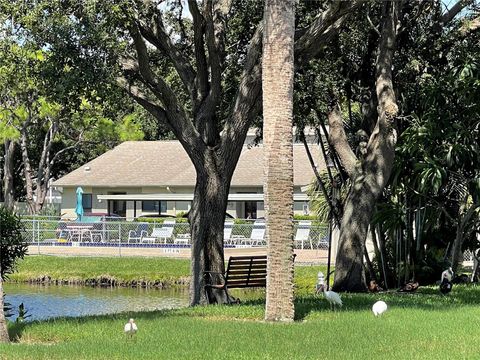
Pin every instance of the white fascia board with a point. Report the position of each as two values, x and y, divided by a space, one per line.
189 197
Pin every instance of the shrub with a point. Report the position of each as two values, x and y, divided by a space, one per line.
12 245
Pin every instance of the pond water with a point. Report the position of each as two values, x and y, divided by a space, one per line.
49 301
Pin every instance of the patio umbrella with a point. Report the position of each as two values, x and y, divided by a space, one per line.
79 207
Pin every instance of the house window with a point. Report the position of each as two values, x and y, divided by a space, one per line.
163 207
87 202
150 205
156 206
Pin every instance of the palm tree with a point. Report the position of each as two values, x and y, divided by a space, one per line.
277 82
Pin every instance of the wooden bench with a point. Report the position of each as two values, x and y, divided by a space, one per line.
242 272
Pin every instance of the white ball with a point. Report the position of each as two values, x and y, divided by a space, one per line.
379 308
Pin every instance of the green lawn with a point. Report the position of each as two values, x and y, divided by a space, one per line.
425 325
123 270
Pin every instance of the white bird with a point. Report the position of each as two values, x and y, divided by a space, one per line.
130 328
333 298
379 308
446 281
447 274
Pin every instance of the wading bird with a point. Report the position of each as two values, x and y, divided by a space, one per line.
379 308
332 297
130 328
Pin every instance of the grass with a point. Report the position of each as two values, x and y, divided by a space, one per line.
122 270
425 325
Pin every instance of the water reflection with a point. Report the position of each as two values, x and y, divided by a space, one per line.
43 302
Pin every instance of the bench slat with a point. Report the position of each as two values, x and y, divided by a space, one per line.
246 270
242 284
245 276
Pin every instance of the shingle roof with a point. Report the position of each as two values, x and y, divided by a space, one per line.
165 163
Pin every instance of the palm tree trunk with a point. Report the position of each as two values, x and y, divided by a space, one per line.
277 80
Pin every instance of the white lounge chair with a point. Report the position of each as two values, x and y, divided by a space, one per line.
303 233
164 233
257 237
137 234
227 231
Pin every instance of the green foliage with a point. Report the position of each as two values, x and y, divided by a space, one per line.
12 245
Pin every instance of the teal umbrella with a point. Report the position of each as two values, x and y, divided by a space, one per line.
79 207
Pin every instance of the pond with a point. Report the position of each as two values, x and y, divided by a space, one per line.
44 302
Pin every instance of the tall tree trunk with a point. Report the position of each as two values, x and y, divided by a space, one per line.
277 80
207 218
8 195
4 338
349 271
368 184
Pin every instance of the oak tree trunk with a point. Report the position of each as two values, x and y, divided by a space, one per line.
207 217
277 80
374 170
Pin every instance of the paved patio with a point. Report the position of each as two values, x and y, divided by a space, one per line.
303 256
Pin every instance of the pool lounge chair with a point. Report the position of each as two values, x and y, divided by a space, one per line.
227 231
257 237
303 233
137 234
164 233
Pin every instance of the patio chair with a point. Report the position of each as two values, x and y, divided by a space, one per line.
164 233
303 233
257 237
227 231
138 234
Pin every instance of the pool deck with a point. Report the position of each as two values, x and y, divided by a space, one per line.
303 256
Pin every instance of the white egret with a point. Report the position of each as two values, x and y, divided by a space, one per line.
332 297
130 328
379 308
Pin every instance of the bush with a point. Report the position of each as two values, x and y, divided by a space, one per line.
12 245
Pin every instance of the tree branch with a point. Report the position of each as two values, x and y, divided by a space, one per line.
307 46
248 101
455 10
155 34
338 139
139 96
201 59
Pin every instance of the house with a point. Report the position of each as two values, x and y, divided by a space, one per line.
157 177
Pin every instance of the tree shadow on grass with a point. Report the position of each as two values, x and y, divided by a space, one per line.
426 298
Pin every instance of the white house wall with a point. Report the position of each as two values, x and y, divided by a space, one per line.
236 209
